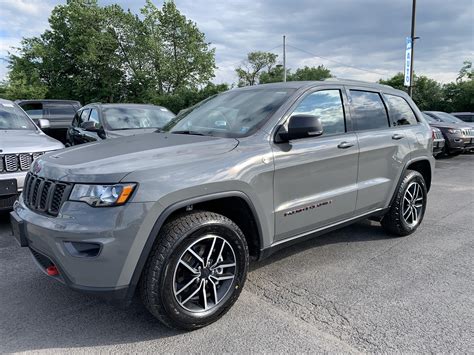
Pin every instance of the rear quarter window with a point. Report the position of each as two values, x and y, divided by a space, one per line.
399 111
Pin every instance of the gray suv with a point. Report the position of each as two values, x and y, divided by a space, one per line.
178 213
21 142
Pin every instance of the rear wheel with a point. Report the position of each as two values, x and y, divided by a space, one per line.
195 271
408 208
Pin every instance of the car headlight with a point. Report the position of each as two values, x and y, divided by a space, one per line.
102 195
454 131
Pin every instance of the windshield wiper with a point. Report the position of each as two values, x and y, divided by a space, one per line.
194 133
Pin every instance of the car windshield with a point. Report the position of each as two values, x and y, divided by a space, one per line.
13 117
235 113
446 117
132 117
429 118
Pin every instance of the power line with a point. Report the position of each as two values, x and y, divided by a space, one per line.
334 61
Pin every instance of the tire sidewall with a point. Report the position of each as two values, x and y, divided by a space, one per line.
235 238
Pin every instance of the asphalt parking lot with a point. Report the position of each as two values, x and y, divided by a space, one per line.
353 290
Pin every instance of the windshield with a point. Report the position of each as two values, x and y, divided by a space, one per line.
13 117
236 113
131 117
446 117
429 118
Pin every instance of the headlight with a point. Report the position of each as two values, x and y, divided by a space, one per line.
102 195
454 131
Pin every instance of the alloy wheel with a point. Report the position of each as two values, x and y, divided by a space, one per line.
204 273
413 200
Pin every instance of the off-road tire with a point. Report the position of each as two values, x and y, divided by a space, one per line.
156 283
393 222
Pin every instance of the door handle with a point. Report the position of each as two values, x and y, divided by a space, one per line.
397 136
345 145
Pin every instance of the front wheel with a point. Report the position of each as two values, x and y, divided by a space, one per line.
408 208
196 270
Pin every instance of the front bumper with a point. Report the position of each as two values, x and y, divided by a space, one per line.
7 201
114 229
468 143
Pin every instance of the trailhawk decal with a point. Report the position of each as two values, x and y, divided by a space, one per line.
307 208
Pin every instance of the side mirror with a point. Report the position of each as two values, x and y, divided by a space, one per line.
300 126
89 126
43 123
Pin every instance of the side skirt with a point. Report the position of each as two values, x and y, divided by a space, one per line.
265 253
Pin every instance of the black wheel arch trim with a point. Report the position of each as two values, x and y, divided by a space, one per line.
405 168
173 208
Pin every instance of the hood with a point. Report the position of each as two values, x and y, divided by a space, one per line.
129 132
109 161
26 141
446 125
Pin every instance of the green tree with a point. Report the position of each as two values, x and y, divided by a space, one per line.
310 73
256 63
95 53
427 93
466 71
274 75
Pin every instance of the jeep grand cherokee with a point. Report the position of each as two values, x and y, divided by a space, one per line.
178 213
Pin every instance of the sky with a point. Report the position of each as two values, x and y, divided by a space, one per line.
356 39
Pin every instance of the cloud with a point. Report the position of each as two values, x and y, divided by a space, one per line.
368 34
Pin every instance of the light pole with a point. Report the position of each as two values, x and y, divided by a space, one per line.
413 21
284 58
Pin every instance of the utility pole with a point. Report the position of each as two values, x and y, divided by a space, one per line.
284 58
413 20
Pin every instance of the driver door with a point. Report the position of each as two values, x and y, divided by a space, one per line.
315 180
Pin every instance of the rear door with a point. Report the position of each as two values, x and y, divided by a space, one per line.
315 178
383 151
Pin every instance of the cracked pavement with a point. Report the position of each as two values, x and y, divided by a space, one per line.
352 290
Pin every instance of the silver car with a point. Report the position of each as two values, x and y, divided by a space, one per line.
179 213
21 142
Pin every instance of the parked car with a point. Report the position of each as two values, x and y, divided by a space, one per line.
21 142
467 117
179 213
95 122
58 112
438 141
458 135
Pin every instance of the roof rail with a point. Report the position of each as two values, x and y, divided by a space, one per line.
357 81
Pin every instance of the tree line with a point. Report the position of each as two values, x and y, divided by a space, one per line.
95 53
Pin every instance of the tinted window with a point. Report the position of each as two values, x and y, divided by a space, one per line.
136 116
399 110
94 117
327 105
84 116
13 117
445 117
34 110
61 110
368 110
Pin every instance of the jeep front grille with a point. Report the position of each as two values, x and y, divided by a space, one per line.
44 195
11 163
468 132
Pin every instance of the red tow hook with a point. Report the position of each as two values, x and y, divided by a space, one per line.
52 270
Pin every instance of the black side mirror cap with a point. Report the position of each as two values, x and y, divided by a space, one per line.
89 126
300 126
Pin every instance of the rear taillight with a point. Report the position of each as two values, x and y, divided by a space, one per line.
433 134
